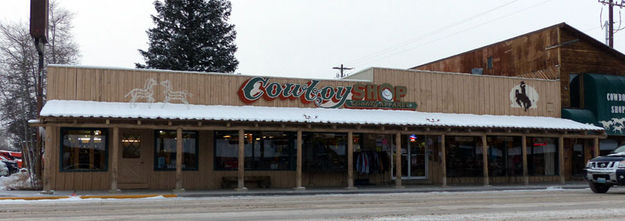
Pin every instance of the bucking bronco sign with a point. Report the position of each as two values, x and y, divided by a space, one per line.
357 96
523 96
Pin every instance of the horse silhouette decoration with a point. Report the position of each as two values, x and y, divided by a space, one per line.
521 97
171 95
147 92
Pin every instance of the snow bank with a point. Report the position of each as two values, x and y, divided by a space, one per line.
16 181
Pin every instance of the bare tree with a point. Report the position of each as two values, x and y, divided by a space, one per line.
19 79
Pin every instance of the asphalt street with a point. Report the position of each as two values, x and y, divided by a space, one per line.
548 204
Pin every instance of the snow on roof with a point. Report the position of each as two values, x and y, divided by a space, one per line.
74 108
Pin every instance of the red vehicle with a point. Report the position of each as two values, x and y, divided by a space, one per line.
13 157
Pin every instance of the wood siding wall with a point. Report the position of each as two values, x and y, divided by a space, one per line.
584 57
512 57
465 93
433 92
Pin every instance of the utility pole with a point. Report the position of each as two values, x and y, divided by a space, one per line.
341 68
611 4
39 32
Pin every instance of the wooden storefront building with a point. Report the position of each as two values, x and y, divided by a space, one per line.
111 129
589 73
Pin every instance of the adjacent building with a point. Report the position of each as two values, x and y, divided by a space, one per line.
590 75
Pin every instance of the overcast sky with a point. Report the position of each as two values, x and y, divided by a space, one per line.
305 38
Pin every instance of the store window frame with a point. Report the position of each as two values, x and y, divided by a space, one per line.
532 160
292 150
62 152
307 168
197 151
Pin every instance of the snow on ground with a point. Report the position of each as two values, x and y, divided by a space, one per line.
19 180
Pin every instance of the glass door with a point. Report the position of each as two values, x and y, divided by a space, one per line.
414 157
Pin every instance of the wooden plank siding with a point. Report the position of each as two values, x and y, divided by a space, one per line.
432 91
471 94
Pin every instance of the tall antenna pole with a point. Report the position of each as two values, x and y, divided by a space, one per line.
611 4
341 68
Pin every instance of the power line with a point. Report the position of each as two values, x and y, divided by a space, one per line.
463 30
610 23
401 44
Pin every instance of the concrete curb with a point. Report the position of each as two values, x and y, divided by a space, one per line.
90 197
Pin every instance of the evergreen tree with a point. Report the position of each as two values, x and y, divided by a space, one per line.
191 35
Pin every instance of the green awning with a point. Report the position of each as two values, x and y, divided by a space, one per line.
579 115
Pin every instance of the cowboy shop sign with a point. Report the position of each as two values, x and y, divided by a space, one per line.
357 96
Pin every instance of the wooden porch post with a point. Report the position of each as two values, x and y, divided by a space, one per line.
350 160
485 159
47 170
115 161
561 158
443 161
596 147
398 161
298 173
241 162
179 160
524 153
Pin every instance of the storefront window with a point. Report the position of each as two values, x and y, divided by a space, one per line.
542 156
464 156
606 146
83 149
325 152
165 150
505 156
264 150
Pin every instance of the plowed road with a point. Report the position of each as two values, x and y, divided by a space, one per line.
488 205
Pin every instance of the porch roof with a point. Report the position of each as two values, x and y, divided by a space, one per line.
168 111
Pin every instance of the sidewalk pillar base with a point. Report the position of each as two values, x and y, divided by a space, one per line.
48 192
178 190
115 191
400 187
351 188
242 189
299 188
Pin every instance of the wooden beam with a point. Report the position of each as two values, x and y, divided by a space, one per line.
310 129
485 159
350 160
398 161
241 162
115 161
596 147
443 161
47 170
298 172
524 153
179 160
561 158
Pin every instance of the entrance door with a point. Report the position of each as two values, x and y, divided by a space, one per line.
414 159
132 166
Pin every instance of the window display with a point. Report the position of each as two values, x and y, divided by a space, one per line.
264 150
83 149
165 150
325 152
